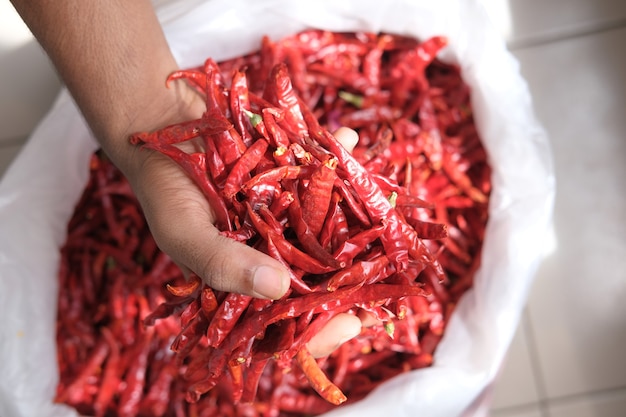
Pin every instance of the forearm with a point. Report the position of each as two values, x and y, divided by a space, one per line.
113 58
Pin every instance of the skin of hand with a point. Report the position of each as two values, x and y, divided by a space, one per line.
114 59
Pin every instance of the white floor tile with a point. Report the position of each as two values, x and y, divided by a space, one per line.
28 84
516 385
529 411
576 308
531 20
605 404
7 154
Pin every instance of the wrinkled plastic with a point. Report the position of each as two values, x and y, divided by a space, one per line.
38 193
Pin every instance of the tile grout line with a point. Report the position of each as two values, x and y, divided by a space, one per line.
533 354
573 32
517 409
564 399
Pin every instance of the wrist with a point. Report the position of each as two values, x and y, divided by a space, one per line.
163 107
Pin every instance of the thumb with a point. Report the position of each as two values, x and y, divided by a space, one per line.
223 263
181 222
227 265
182 228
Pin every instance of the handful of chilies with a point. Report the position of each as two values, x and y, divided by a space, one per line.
395 229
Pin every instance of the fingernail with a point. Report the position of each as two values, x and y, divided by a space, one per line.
346 337
268 282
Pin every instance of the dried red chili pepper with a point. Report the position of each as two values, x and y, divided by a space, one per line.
319 381
279 91
226 316
316 198
357 228
244 165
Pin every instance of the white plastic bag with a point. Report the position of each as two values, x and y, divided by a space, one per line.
38 193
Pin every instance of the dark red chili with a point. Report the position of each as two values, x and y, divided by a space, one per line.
394 230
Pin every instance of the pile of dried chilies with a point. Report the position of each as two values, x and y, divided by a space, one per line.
394 229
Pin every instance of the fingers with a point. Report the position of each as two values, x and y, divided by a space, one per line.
337 331
181 221
342 327
347 137
227 265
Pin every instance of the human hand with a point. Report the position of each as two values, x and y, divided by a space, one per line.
182 223
116 75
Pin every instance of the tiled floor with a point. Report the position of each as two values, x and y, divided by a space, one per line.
567 359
